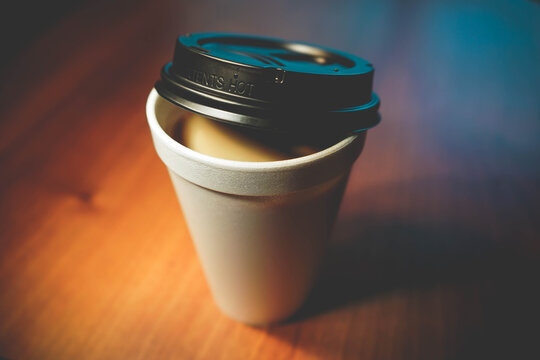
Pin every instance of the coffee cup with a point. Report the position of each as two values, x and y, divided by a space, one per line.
259 227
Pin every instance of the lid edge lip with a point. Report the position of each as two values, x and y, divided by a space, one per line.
250 102
372 119
191 86
374 103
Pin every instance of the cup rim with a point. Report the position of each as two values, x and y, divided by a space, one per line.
243 166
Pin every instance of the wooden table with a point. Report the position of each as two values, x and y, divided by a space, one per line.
436 254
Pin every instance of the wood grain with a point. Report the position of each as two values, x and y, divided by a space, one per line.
436 254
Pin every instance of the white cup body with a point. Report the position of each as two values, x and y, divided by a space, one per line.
259 228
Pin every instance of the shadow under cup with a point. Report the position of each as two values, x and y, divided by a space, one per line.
259 228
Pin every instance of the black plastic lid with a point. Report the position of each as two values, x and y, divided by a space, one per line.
271 84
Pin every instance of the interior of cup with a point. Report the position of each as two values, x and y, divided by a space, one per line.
170 117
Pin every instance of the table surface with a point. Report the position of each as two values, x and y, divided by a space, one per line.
436 251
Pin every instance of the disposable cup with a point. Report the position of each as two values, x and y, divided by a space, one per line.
259 228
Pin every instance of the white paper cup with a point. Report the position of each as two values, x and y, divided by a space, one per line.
259 228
